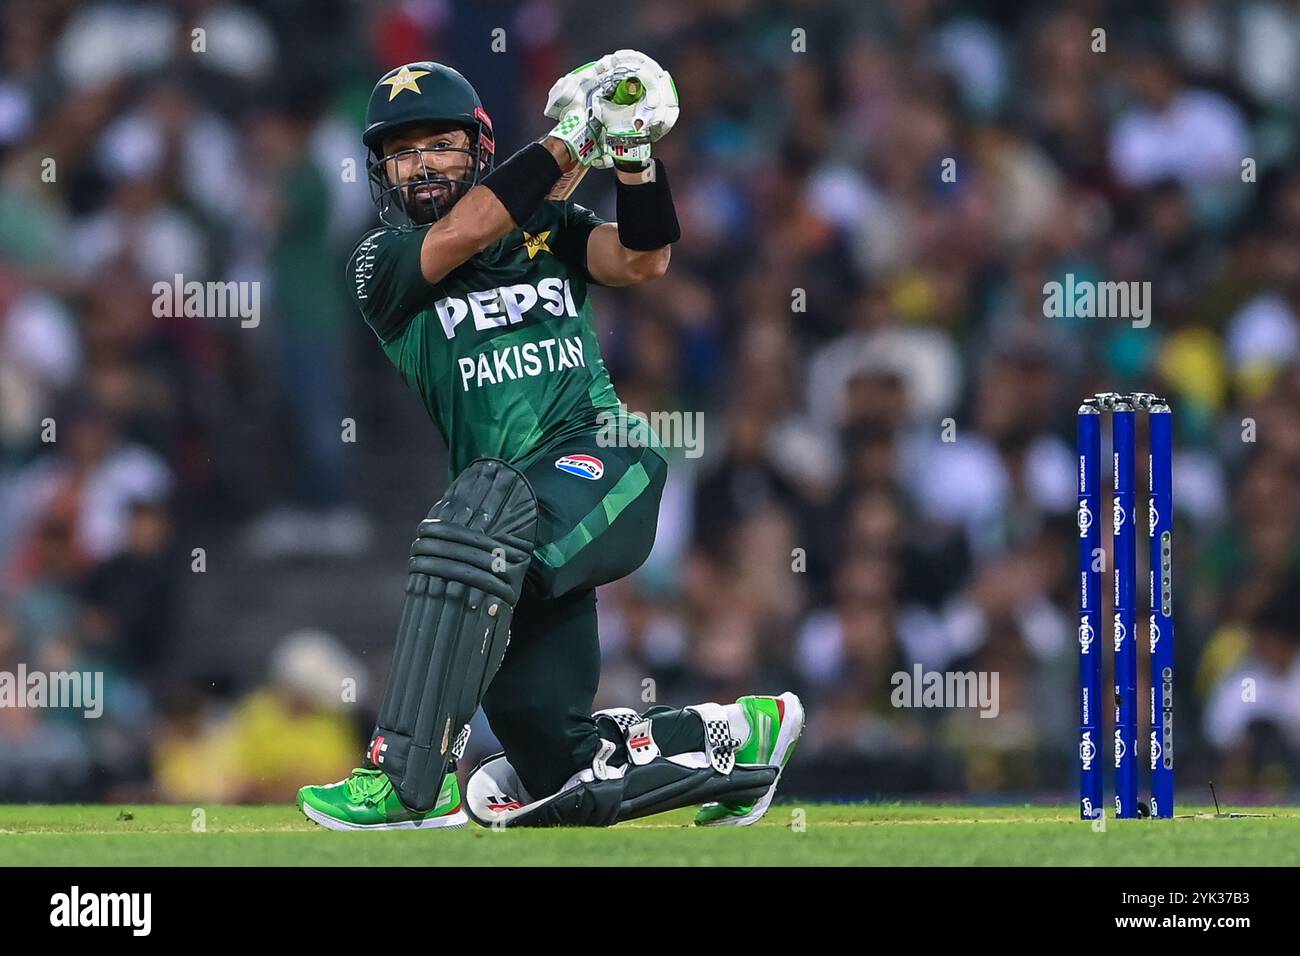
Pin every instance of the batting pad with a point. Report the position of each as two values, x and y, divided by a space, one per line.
466 573
494 796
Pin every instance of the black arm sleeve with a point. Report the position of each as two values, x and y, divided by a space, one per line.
647 218
523 180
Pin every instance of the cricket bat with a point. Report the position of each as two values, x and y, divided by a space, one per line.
566 184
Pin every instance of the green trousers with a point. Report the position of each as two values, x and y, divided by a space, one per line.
598 509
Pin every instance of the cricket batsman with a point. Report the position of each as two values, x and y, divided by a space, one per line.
476 286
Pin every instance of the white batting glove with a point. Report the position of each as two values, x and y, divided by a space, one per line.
627 100
639 101
571 102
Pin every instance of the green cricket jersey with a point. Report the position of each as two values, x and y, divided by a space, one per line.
501 351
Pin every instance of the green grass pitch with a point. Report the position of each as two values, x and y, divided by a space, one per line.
815 834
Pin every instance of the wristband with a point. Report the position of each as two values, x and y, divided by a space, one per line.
523 180
646 217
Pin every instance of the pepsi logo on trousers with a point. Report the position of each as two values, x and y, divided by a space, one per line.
584 466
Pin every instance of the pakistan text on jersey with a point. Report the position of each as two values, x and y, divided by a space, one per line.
495 308
517 361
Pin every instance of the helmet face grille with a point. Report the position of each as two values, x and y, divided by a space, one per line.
411 203
415 95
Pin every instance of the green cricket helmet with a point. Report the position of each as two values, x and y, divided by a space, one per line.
423 94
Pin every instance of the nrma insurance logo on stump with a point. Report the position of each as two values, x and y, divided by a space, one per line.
1086 635
1087 750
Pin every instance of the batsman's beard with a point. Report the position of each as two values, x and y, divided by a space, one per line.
428 200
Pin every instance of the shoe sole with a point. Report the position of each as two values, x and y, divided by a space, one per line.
451 821
791 731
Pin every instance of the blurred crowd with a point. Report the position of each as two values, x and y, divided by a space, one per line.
872 198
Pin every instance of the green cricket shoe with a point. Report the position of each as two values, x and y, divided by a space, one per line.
366 801
775 724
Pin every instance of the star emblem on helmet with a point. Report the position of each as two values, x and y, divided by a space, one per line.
404 79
